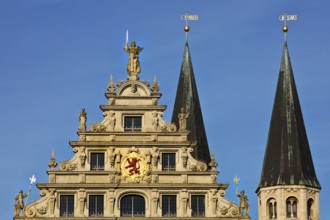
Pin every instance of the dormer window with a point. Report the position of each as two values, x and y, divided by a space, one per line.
133 123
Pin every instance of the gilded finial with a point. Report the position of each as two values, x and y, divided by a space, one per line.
52 163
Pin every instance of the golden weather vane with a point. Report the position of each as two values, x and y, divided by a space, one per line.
287 17
189 17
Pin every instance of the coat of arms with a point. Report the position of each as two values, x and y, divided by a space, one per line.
133 166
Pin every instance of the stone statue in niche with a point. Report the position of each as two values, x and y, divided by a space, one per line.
155 199
155 157
19 203
111 200
112 121
111 156
133 65
82 156
214 201
82 120
51 201
82 198
155 121
184 157
184 200
183 120
117 161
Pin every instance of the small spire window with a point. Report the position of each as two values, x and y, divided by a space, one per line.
291 207
310 209
272 208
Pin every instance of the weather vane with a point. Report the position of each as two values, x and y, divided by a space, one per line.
189 17
236 180
286 17
33 179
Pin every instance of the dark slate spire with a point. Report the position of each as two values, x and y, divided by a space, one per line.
187 98
288 160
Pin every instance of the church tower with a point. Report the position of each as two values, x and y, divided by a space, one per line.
133 164
288 187
187 100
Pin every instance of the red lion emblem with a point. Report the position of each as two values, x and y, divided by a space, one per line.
133 165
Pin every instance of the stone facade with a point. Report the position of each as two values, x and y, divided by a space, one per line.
279 198
124 155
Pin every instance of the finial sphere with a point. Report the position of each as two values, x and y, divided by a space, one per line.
186 28
285 28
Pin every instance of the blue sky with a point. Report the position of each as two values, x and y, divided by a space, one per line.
56 56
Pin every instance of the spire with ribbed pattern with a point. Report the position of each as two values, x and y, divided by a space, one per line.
187 98
288 160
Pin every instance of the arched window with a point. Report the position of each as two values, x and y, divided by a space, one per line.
310 209
291 207
132 206
272 208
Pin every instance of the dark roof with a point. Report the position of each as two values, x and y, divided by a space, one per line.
288 160
187 98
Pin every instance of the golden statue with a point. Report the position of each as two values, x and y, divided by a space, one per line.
133 65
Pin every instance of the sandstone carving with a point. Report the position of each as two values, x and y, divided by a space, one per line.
82 120
133 65
164 126
107 124
183 120
19 203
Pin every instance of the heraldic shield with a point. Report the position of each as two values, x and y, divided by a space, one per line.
133 166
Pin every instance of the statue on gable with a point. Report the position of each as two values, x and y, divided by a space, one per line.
133 65
19 203
82 120
183 120
244 206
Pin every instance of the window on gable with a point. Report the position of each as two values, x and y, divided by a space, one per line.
132 206
96 205
197 205
168 161
133 123
97 161
66 205
169 205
